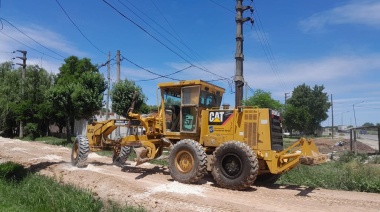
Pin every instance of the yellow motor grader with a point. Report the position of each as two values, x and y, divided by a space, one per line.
236 145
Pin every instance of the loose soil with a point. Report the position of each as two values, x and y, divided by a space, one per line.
326 145
150 186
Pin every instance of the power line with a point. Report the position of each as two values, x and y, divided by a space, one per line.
264 43
273 59
160 76
229 10
104 64
78 28
183 43
144 30
155 38
156 30
27 36
28 46
249 87
162 15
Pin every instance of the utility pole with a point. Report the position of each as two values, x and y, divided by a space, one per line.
117 81
332 118
239 56
246 91
23 64
286 97
118 66
109 85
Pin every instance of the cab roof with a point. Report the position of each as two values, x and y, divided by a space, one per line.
182 83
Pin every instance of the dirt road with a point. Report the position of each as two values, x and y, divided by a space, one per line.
151 186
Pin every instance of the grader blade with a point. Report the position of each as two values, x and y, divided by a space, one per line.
310 154
141 155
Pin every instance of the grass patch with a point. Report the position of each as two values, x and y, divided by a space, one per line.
108 153
32 192
54 140
351 173
289 141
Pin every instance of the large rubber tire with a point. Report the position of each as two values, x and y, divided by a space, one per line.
187 161
234 165
267 178
123 155
79 152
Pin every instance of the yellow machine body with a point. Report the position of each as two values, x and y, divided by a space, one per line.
202 119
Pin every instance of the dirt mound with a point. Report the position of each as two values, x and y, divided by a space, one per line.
326 145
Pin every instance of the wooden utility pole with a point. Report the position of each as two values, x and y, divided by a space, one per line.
332 118
117 81
239 56
286 97
23 64
118 66
109 85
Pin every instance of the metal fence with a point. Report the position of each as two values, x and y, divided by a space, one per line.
365 140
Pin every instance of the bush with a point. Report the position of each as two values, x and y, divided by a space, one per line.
349 173
375 159
348 156
10 171
31 129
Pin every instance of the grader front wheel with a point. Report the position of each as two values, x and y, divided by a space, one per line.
120 155
79 152
187 161
234 165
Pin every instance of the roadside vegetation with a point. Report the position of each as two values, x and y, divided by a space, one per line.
349 172
21 190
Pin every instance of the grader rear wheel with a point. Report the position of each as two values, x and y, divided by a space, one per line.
79 152
234 165
187 161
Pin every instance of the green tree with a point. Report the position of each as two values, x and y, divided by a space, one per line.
368 124
77 92
10 81
263 99
306 109
26 107
122 96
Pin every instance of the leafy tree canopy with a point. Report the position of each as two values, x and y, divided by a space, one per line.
122 96
31 106
306 109
263 99
368 124
78 90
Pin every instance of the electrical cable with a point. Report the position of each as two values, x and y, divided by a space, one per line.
155 38
222 6
160 76
178 38
78 28
27 36
28 46
264 44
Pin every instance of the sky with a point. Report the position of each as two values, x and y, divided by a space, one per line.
318 42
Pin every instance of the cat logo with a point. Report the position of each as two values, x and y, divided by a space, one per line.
218 117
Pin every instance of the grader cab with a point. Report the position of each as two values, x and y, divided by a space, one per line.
237 145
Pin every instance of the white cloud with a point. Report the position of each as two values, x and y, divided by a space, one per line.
11 40
53 41
364 12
